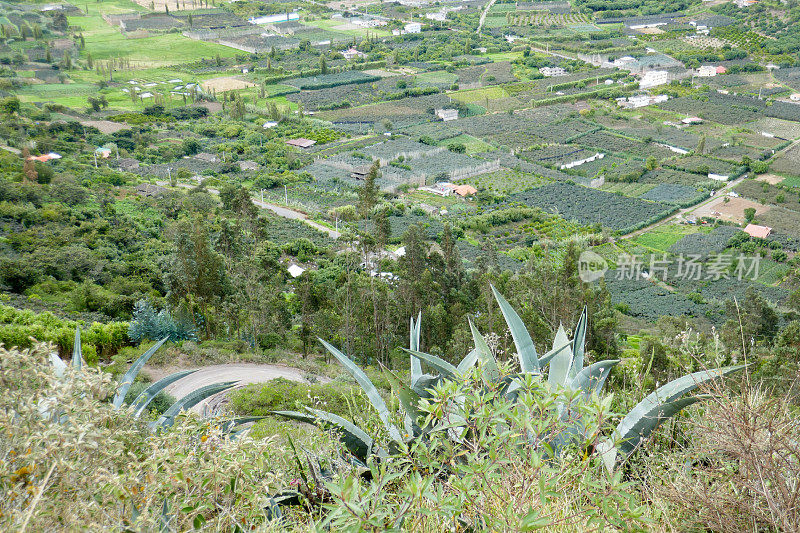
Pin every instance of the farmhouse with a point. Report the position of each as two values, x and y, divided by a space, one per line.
761 232
464 190
654 78
301 142
413 27
352 53
706 71
642 100
447 114
360 172
551 72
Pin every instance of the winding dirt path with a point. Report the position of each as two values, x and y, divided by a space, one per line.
244 373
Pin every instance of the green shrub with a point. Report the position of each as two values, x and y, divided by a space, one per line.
281 394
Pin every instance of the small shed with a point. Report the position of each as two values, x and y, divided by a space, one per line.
301 142
295 270
761 232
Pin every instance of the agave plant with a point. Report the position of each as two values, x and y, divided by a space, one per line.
141 402
566 372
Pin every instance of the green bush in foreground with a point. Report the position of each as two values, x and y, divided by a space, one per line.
566 376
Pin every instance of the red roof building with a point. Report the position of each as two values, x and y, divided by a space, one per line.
301 142
754 230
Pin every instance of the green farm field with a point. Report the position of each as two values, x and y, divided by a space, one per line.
659 239
476 96
105 42
473 144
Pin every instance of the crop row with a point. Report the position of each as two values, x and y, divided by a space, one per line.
592 206
324 81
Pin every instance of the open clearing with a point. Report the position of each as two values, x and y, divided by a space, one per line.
733 210
226 83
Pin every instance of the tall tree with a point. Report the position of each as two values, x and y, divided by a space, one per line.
368 193
196 275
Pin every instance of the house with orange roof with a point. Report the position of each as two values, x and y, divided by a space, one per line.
761 232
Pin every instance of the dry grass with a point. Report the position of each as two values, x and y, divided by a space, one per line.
746 471
226 83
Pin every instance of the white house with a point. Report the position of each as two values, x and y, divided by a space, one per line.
447 114
641 100
654 78
706 71
550 72
413 27
352 53
271 19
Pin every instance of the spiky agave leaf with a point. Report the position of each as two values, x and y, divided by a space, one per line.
562 360
369 388
526 351
190 400
148 395
446 369
409 400
662 403
353 437
592 378
413 344
579 343
228 426
59 366
133 371
468 362
77 354
491 372
547 357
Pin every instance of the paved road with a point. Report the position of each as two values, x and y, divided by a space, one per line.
483 15
279 210
243 373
